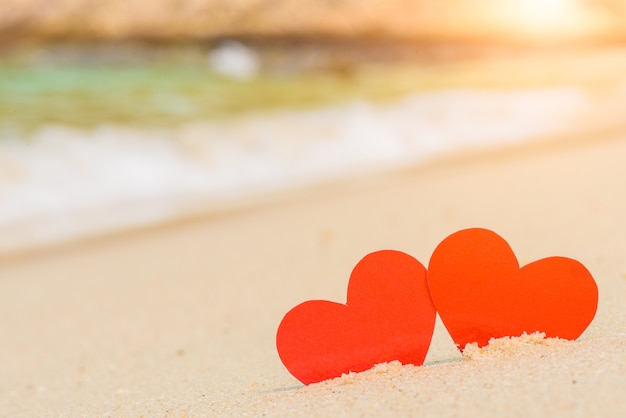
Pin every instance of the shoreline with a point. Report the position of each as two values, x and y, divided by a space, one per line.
200 209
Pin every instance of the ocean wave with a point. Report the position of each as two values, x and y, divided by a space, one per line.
61 183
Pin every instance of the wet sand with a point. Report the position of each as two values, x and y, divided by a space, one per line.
180 320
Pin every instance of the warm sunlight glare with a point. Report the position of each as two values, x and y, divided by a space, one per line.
545 13
544 17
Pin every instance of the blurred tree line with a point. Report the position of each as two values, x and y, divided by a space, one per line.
175 20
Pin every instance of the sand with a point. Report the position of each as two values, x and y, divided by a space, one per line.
180 320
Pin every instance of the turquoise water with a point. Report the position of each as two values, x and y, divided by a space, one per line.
94 89
85 97
165 96
88 148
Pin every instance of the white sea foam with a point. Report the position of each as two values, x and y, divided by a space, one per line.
62 183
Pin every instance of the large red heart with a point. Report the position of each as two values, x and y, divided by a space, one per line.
481 292
389 315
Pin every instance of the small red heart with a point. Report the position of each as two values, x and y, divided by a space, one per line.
481 292
389 316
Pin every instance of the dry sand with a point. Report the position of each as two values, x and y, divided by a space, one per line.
180 320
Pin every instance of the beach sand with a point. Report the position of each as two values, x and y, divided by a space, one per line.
180 320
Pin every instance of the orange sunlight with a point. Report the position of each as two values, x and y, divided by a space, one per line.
545 18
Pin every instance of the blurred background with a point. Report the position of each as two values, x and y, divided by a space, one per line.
125 113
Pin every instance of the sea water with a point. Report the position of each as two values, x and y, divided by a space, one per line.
59 181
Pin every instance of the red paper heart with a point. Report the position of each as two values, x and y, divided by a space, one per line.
388 316
481 292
